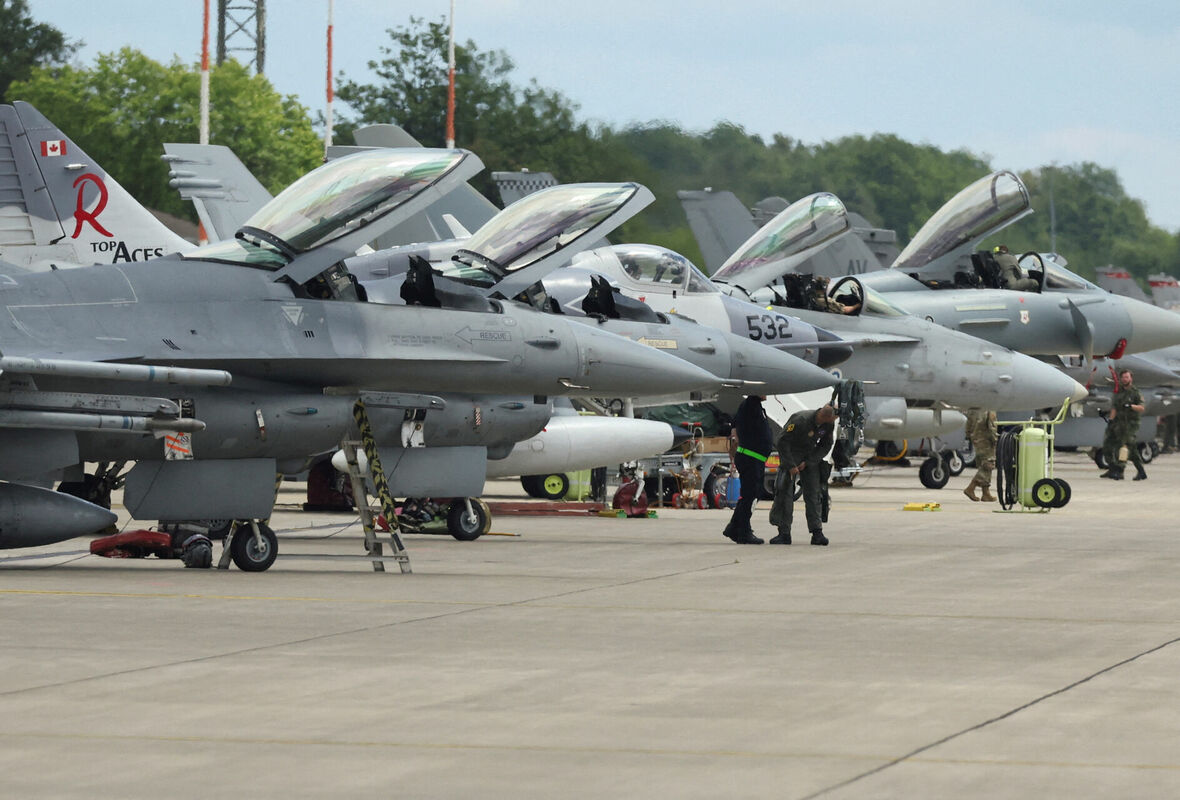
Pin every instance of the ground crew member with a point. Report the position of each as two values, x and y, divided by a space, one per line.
1125 413
1168 424
805 440
753 447
981 431
1010 273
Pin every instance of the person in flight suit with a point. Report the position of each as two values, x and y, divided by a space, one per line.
753 448
981 431
1125 411
1010 272
805 440
825 303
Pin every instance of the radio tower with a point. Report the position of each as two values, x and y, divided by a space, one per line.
241 28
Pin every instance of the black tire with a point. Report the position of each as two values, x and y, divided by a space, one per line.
554 486
967 453
1064 493
532 485
247 555
767 492
1045 492
933 473
709 490
1145 452
462 525
651 488
1100 458
90 489
954 462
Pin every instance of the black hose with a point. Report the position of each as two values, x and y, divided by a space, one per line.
1006 448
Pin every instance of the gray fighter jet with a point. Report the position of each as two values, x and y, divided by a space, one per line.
276 308
910 357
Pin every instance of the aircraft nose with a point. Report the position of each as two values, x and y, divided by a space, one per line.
1040 385
831 355
616 366
1152 327
778 372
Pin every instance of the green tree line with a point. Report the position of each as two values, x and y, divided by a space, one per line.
124 105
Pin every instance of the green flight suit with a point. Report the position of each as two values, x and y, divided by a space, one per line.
1124 428
1011 276
981 431
802 440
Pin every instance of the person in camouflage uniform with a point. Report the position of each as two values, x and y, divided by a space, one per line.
1123 427
981 430
802 445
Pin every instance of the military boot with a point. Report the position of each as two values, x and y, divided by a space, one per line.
1140 475
987 495
969 490
817 537
782 538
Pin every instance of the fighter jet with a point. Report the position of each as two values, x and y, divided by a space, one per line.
906 356
941 277
277 308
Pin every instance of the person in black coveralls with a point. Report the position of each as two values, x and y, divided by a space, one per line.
754 443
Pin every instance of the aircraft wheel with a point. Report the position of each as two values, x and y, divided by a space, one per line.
248 555
933 473
1044 493
954 462
1100 458
967 453
554 486
468 527
1145 452
1064 493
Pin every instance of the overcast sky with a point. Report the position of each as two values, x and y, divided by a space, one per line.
1022 83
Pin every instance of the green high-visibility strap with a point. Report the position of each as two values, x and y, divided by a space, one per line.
752 454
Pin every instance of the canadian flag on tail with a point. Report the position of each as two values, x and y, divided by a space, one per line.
53 147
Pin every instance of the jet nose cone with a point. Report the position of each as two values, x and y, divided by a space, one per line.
832 354
1152 327
1036 384
779 372
616 366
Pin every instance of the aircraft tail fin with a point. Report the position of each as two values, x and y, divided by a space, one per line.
719 222
224 192
1165 291
515 185
90 217
1117 280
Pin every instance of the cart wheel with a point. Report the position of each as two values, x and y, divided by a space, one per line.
933 473
1145 452
678 500
1064 493
702 501
554 486
954 462
532 486
1044 493
248 555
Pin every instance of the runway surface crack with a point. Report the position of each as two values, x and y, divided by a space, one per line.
1010 713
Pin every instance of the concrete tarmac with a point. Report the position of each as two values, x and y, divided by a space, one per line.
955 653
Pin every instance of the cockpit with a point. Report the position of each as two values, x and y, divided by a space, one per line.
652 267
